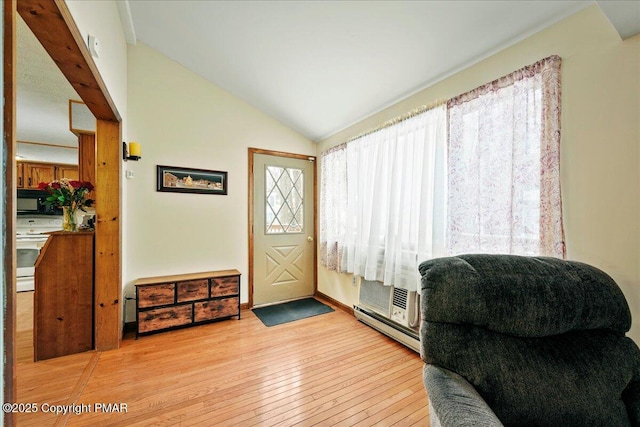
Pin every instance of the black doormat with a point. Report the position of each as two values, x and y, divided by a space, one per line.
290 311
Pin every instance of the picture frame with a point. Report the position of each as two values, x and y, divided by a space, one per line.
173 179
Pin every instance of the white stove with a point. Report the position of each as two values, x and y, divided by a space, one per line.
37 224
30 238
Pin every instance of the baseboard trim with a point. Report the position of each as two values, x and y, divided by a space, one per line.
337 303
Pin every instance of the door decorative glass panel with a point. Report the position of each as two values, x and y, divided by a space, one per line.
284 212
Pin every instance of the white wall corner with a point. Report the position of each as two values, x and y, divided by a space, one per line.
127 21
623 15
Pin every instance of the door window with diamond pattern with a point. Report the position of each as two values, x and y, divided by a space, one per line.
284 200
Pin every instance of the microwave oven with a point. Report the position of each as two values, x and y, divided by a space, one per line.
31 202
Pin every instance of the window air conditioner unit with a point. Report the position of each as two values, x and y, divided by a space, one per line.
393 311
403 308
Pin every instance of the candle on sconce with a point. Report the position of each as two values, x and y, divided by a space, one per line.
134 149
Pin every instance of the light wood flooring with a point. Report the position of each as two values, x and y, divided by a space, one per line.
24 327
328 370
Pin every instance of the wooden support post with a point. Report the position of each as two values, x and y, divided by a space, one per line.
108 274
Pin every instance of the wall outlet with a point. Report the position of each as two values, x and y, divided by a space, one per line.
354 280
128 174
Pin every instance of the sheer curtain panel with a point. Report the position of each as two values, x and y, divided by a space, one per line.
504 165
396 201
333 207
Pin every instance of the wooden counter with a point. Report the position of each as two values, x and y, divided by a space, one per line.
63 298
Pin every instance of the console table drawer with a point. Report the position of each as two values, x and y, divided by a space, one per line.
193 290
162 318
223 286
215 309
155 295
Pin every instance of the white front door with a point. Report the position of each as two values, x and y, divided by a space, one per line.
283 228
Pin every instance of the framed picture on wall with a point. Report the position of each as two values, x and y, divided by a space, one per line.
187 180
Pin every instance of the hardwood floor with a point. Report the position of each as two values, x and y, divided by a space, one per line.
24 327
328 370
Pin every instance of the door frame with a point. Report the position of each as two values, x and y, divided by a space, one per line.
253 151
54 27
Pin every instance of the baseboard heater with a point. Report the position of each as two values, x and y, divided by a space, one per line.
391 311
390 329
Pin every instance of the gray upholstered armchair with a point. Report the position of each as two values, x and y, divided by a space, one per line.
521 341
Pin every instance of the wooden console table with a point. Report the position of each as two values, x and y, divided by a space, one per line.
170 302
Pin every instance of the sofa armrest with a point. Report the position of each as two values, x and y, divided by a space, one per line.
454 401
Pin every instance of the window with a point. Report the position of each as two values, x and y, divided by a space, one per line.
284 200
378 218
503 179
479 175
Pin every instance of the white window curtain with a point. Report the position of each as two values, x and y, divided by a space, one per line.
333 207
395 210
504 161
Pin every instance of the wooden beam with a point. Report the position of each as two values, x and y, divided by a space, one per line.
108 273
54 27
87 160
9 171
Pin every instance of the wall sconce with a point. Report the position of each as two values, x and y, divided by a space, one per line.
133 153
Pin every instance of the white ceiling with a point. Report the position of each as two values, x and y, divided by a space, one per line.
317 66
43 93
320 66
42 103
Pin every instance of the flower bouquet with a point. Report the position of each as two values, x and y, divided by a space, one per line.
70 195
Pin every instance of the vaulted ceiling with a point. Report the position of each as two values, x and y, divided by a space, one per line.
320 66
317 66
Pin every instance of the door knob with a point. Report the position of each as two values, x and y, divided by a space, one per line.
309 239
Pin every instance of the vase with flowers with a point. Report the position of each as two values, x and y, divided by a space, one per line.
70 195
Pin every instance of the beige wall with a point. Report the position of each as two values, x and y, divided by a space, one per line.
600 153
182 120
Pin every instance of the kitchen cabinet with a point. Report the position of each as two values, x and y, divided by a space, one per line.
168 302
67 171
30 174
20 175
35 173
